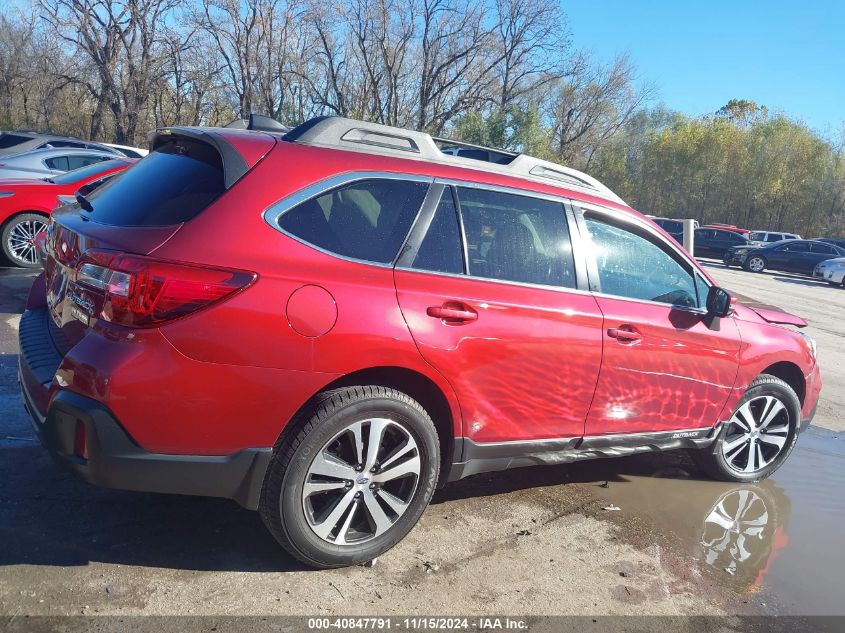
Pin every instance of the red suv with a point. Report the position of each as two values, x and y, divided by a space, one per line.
326 325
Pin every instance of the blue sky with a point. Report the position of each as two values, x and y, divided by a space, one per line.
788 56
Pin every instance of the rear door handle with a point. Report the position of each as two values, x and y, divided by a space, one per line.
624 334
452 312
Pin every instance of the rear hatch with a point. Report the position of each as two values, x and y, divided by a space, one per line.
97 249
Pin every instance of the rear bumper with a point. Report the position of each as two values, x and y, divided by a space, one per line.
112 459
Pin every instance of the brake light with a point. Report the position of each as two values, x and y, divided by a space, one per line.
146 292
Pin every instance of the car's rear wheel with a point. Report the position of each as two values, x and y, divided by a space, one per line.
18 238
760 435
351 478
755 264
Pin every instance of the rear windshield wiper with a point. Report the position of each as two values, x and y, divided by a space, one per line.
83 202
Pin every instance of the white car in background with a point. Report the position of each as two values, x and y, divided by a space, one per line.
761 238
832 271
131 152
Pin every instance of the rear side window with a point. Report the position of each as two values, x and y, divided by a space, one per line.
59 163
796 247
441 250
517 238
77 161
823 248
366 219
171 185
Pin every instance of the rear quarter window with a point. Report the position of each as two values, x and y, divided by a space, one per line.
171 185
366 219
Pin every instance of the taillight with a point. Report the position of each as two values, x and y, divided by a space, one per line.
146 292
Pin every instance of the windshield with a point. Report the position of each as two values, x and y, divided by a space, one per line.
86 172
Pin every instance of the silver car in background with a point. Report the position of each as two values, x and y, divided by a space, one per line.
20 141
832 271
43 163
761 238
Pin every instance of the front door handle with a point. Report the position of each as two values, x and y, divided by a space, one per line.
452 312
624 334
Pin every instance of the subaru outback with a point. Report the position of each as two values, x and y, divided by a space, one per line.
328 324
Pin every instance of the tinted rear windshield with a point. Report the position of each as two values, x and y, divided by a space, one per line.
10 140
171 185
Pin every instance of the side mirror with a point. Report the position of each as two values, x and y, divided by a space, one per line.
719 302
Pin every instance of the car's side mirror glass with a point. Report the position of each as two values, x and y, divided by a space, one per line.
719 303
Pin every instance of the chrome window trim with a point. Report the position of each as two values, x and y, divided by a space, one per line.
272 214
275 211
506 282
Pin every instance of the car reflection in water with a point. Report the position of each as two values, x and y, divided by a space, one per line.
744 532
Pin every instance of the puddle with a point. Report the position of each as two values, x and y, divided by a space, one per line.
779 540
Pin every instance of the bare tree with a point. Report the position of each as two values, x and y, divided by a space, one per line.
591 105
120 39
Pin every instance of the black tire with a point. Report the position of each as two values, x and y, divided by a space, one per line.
282 505
747 264
20 220
712 461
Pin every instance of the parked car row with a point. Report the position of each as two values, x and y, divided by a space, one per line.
39 172
26 204
757 251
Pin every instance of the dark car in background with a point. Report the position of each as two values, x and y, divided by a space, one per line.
710 242
836 241
794 256
673 227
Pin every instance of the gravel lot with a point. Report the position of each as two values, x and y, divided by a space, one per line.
606 537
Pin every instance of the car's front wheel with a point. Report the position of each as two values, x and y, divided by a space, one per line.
755 264
351 477
18 237
758 438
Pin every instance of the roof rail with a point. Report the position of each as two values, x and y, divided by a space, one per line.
342 133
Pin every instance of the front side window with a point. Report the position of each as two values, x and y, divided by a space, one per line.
516 238
366 219
759 236
631 265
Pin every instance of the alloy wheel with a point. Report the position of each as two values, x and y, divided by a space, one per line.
736 526
21 240
756 264
756 434
361 481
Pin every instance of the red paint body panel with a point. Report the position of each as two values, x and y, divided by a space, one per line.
678 375
536 363
526 368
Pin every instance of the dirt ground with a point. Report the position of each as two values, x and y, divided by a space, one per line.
629 536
